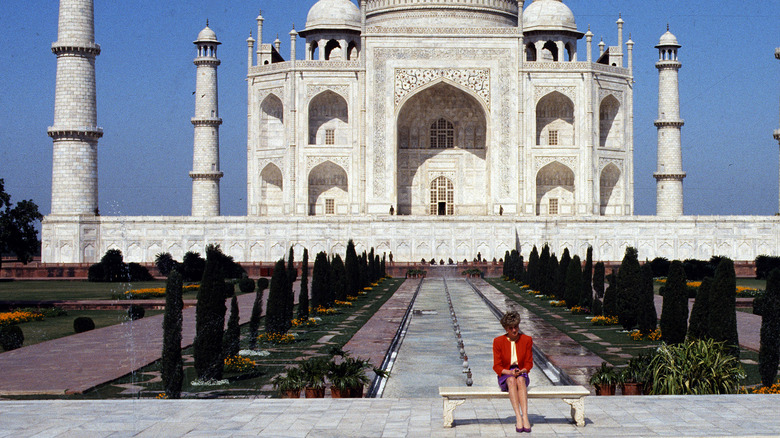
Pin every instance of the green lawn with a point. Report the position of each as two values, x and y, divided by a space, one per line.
619 344
63 290
61 326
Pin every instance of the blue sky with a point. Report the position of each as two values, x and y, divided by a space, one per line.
730 88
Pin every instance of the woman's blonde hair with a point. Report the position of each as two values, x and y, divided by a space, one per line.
510 319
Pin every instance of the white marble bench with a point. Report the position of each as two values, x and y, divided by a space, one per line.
574 395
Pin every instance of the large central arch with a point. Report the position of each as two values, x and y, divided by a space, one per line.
441 130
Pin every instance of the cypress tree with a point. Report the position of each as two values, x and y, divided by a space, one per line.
769 350
553 278
320 284
723 307
383 267
598 288
275 307
586 299
303 296
371 266
210 317
363 269
518 269
698 328
377 263
610 295
563 269
628 284
533 269
172 366
506 264
544 265
232 340
338 280
257 312
647 316
674 313
352 269
289 296
573 282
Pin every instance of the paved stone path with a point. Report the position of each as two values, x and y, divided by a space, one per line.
644 416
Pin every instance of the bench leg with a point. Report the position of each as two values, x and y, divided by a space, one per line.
449 410
577 410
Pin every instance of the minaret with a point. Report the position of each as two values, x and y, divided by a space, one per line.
74 185
777 131
669 177
205 163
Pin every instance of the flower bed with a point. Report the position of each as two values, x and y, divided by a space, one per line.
18 317
308 322
653 336
579 310
151 293
324 310
238 364
774 389
555 303
343 303
604 320
277 338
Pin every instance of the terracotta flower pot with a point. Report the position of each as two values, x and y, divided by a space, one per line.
338 393
605 389
315 392
292 393
632 388
356 392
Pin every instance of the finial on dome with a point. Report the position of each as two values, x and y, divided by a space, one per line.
667 27
207 22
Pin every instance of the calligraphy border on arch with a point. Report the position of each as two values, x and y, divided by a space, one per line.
313 90
264 93
603 162
540 162
342 161
475 79
541 91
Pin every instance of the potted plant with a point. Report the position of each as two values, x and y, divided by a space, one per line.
632 378
314 370
348 377
604 380
291 384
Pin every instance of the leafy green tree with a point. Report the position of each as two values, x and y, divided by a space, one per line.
338 280
598 289
18 233
114 268
210 317
610 295
275 308
586 299
723 307
563 269
193 266
533 269
165 263
352 270
320 283
647 317
303 296
769 350
257 312
629 281
231 343
674 313
573 287
698 327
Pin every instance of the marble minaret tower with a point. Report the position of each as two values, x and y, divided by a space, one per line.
205 163
74 187
670 175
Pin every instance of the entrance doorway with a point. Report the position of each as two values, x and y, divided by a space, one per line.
442 197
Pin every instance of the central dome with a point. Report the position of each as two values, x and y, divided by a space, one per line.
549 15
333 14
442 13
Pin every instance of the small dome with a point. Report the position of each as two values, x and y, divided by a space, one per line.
207 36
549 15
333 14
668 39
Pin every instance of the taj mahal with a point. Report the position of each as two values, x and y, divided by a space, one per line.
422 128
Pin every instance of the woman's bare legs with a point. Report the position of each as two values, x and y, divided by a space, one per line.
515 398
522 394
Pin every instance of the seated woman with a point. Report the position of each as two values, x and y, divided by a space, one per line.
512 360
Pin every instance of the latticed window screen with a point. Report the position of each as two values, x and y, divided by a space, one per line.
330 136
442 134
553 138
330 206
442 191
553 206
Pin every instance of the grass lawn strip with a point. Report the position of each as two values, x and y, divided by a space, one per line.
58 327
611 343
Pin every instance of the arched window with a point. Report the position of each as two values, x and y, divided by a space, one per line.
442 197
550 51
530 52
442 134
352 51
314 52
555 120
610 123
333 50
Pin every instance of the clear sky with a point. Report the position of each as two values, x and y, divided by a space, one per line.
729 84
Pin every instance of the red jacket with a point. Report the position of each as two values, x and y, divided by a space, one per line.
502 353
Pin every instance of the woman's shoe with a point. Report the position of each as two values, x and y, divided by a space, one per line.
525 429
520 429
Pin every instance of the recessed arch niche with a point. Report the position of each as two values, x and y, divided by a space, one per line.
328 190
610 191
271 191
271 123
610 123
555 120
555 190
329 112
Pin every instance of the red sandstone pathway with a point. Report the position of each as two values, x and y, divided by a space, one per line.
748 325
77 363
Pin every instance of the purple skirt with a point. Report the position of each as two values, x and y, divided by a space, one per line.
503 378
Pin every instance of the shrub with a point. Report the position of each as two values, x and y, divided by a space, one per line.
96 273
769 350
246 285
83 324
262 284
210 317
172 365
660 266
165 263
533 269
135 311
275 307
352 279
114 268
598 279
193 266
232 340
698 326
138 272
573 283
695 368
11 337
610 295
560 271
303 296
766 264
722 324
674 315
696 270
339 278
629 281
647 318
257 311
320 281
586 299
